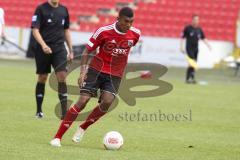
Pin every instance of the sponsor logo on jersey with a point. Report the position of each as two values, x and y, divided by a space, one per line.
118 48
119 51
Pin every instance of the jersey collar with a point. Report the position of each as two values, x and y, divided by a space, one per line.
115 28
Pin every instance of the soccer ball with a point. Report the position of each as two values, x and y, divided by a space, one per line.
113 140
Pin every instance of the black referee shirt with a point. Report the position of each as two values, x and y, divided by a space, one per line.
51 22
193 35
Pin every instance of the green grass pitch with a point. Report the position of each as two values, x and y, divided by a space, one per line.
213 131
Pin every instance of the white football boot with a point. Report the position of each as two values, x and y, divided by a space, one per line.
56 142
77 137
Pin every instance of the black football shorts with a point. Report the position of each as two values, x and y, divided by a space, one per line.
96 80
58 59
192 53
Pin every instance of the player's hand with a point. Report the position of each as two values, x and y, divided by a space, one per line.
46 49
81 79
70 56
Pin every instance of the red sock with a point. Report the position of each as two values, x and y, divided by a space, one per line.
71 115
92 118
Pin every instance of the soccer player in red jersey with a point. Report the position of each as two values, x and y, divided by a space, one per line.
104 71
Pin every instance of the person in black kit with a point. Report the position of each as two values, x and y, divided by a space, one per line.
50 28
192 33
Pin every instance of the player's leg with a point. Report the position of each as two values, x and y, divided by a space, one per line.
86 92
72 114
70 117
59 63
195 56
188 74
106 100
62 91
190 69
43 65
109 88
39 93
101 109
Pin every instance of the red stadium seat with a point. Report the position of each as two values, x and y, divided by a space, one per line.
163 18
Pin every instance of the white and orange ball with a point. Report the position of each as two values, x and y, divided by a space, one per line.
113 140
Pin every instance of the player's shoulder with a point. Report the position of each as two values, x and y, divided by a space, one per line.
42 5
63 7
102 30
200 28
189 26
105 28
136 30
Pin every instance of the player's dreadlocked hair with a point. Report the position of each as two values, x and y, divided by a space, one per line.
126 11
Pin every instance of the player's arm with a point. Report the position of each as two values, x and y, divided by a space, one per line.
84 61
84 66
204 39
39 39
36 22
93 43
69 43
183 40
67 35
207 43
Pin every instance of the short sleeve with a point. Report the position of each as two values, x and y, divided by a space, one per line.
37 18
67 20
95 41
137 39
202 34
137 35
185 32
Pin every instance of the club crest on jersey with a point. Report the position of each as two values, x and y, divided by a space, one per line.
113 41
130 43
119 52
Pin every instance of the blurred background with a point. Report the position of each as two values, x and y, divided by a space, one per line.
161 23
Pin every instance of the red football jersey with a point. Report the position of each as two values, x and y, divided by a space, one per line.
114 47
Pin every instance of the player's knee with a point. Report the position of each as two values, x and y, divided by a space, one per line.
105 104
61 76
104 107
82 102
42 78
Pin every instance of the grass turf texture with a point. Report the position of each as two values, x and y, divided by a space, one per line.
213 132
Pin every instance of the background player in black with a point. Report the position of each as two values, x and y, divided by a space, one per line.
192 33
50 27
